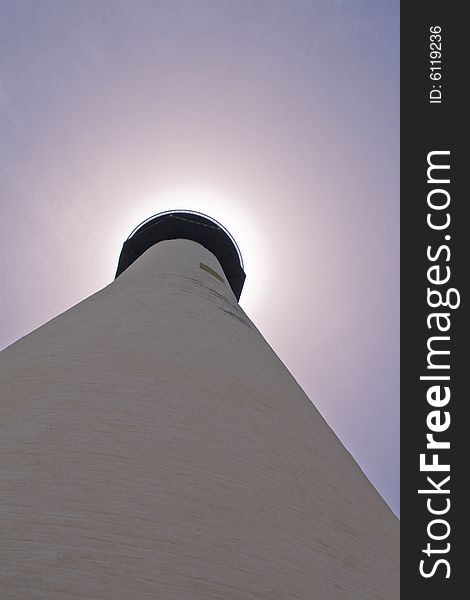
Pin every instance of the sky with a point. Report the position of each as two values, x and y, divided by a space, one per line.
278 118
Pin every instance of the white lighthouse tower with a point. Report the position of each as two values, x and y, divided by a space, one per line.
154 447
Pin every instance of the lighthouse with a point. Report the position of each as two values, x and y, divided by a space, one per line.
153 446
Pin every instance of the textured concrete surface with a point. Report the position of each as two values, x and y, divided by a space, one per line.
154 447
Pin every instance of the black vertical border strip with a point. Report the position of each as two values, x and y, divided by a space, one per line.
424 128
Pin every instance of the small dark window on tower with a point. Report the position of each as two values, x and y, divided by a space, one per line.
211 271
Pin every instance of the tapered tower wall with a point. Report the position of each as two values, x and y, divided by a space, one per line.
154 446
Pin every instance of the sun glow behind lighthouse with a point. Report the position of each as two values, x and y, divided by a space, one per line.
223 208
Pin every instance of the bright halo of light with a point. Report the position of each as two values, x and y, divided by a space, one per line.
244 227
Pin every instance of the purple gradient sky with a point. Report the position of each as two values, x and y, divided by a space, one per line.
287 112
